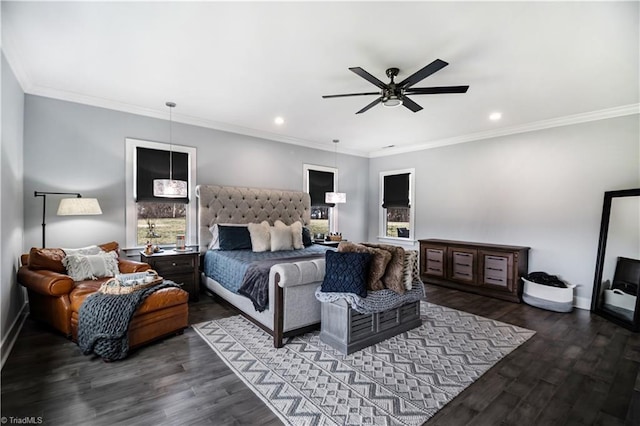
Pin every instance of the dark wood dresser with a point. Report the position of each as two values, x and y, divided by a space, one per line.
487 269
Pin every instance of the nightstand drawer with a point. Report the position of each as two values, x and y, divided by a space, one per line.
173 265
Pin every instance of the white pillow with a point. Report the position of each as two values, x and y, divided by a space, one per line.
215 235
260 236
82 250
296 233
281 238
92 266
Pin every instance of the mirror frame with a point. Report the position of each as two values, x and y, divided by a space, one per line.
602 247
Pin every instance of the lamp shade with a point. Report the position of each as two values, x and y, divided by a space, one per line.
335 197
170 188
79 206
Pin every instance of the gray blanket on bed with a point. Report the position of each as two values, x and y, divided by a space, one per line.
255 283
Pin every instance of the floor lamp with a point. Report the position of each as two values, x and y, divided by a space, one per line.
68 206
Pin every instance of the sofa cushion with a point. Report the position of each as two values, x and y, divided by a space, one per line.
47 258
111 246
379 260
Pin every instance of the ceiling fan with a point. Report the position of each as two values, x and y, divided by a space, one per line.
395 94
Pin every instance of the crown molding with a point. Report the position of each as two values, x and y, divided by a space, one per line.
568 120
29 88
184 119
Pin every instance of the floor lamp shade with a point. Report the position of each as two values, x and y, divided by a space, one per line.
68 207
79 207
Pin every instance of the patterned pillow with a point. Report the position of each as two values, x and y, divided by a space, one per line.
83 267
346 272
411 268
379 261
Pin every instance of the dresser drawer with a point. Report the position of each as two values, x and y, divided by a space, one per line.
462 265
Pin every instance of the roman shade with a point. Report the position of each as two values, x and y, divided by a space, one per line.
396 191
319 184
154 164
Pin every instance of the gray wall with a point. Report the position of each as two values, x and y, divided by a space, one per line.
12 297
541 189
71 147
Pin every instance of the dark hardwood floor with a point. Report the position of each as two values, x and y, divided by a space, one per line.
578 369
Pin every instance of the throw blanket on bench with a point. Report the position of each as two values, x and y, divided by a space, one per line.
255 283
103 321
376 301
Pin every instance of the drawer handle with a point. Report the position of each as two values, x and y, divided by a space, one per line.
463 254
494 269
173 264
495 279
462 264
434 261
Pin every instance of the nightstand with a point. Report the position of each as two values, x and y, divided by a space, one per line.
179 267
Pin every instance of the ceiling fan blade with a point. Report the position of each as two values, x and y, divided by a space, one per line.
436 90
425 72
371 105
351 94
362 73
410 104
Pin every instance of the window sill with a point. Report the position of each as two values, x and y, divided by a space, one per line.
397 240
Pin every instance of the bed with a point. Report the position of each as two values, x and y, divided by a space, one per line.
292 306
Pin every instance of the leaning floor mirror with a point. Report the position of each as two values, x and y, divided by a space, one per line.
617 276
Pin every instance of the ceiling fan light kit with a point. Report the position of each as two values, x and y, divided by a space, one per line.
394 94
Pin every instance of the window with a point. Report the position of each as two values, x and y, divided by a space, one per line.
150 218
319 180
396 196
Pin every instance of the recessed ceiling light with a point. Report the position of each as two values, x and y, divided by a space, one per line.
495 116
279 121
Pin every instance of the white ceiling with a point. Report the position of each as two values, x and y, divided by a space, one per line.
236 66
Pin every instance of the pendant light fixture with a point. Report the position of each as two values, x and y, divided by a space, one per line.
335 197
170 188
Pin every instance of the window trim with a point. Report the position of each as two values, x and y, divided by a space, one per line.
333 211
130 181
382 217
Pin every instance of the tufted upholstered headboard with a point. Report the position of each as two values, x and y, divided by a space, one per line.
232 204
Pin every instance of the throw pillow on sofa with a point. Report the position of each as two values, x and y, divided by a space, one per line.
47 258
83 267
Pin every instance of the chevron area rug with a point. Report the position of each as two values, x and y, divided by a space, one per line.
404 380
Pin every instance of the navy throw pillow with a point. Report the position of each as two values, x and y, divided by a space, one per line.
306 237
346 272
234 237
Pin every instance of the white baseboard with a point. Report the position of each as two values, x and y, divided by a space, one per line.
582 303
12 334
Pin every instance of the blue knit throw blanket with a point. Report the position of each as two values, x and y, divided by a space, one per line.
103 321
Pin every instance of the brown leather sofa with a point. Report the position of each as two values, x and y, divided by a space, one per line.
55 299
